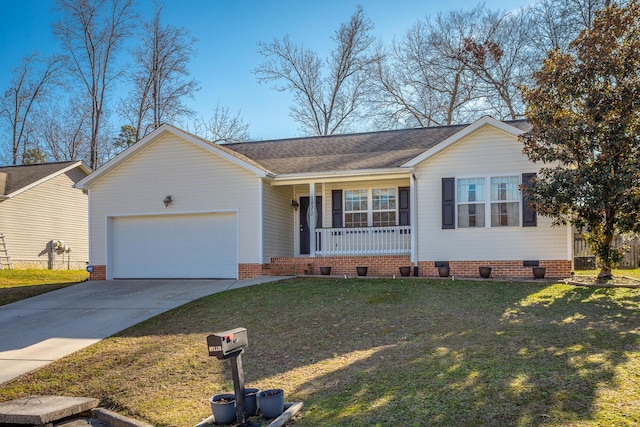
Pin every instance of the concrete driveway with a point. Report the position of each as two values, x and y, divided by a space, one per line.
39 330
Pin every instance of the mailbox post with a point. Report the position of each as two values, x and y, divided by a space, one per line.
230 345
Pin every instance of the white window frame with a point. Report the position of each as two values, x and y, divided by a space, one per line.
517 199
488 201
346 212
370 211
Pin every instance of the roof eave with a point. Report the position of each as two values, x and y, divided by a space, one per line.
340 176
73 165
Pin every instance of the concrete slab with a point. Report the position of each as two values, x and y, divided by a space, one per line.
40 410
39 330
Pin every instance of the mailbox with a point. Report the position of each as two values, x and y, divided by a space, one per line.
228 343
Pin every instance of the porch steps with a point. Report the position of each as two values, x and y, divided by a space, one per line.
276 268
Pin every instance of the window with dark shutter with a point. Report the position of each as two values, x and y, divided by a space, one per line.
336 208
404 206
529 216
448 203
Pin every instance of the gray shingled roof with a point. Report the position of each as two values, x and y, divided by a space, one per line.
23 175
374 150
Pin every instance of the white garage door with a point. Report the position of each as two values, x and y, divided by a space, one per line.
174 246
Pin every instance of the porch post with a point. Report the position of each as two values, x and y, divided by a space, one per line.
311 218
413 214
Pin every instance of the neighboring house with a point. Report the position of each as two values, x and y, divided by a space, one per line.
175 205
43 217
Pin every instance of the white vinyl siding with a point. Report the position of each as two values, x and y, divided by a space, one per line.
486 152
278 215
198 182
52 210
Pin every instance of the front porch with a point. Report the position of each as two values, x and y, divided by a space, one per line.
352 215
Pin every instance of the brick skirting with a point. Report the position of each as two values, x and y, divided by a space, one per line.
384 266
248 271
557 269
388 266
99 273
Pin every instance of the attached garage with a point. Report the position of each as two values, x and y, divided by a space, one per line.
202 245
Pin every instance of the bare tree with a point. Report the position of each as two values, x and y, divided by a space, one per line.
31 83
64 132
501 57
551 26
92 31
222 127
160 78
323 105
555 23
423 81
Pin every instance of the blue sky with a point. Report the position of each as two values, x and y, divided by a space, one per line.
228 32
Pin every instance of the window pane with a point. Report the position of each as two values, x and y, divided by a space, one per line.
384 199
505 188
355 200
505 214
355 219
382 219
470 190
471 215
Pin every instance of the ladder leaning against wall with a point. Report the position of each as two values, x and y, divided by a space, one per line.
5 259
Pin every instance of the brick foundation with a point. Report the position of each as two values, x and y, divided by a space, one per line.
499 269
248 271
99 273
388 266
383 265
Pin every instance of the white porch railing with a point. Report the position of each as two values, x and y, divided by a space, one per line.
389 240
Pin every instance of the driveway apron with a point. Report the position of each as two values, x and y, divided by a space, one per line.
39 330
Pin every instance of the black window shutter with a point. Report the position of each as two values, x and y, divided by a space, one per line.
336 208
529 216
404 206
448 203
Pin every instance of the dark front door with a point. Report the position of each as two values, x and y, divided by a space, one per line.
305 241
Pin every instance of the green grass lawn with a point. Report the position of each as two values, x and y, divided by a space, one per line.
20 284
379 353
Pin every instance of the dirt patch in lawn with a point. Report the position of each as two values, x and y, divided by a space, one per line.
615 281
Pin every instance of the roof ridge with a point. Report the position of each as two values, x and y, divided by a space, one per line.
344 135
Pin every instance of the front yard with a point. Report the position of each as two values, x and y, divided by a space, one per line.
379 352
20 284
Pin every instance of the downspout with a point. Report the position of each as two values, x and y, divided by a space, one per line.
260 221
413 213
570 246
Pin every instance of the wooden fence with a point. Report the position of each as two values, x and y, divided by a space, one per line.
584 260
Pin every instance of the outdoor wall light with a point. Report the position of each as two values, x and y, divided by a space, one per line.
167 200
295 204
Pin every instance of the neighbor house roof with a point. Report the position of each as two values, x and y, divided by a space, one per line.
361 151
15 179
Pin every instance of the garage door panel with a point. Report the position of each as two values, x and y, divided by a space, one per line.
174 246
